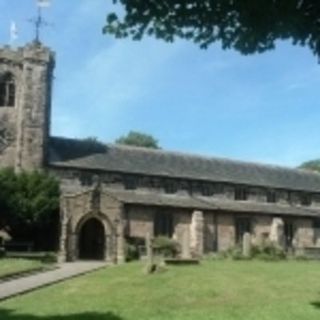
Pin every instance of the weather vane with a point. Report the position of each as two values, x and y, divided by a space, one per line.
38 21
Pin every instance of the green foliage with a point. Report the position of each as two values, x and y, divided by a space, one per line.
28 197
166 246
234 253
246 26
50 257
134 138
267 252
131 252
312 165
29 207
301 257
2 252
132 248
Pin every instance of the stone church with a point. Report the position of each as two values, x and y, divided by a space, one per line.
113 194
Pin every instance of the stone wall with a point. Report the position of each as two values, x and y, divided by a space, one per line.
10 61
304 236
261 227
210 232
139 221
27 123
226 231
77 208
182 220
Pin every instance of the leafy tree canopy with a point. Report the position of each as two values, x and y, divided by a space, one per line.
313 165
248 26
27 197
134 138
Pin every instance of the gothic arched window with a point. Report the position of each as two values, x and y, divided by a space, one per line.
7 90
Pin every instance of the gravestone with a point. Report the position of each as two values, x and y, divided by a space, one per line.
150 266
149 248
185 252
246 245
196 234
277 232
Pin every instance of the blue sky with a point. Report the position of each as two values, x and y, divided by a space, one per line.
261 108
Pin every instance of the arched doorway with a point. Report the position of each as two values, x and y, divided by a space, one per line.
92 240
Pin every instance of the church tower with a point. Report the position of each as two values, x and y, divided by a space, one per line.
25 105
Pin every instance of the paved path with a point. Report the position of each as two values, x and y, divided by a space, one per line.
29 283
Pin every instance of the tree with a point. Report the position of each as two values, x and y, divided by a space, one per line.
134 138
29 204
31 197
312 165
248 26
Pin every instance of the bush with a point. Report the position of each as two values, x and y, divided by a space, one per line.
2 252
166 246
268 252
131 252
301 257
234 253
50 257
29 206
134 247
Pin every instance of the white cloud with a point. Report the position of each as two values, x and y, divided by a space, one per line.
122 74
112 81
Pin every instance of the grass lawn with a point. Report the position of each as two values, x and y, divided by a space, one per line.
11 266
248 290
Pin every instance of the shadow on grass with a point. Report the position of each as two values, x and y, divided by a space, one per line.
316 304
10 315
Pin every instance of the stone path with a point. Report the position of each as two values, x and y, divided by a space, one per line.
29 283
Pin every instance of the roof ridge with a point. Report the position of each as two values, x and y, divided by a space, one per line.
187 156
210 158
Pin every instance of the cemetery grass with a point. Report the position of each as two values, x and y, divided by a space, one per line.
9 266
216 290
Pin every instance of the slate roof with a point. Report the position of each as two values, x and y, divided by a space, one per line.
69 153
202 203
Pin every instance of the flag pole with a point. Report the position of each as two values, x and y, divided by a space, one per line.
13 32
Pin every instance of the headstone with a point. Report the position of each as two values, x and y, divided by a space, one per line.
185 252
246 245
196 234
277 232
151 266
149 248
